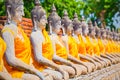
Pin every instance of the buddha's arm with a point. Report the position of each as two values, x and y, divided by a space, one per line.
86 57
61 60
110 55
75 60
105 56
5 76
37 44
12 60
71 58
93 57
54 49
55 57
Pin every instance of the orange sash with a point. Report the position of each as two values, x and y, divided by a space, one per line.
95 47
89 47
2 50
101 46
61 50
47 51
81 46
73 50
22 51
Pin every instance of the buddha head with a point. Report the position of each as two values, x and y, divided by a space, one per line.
103 33
14 10
38 16
76 25
97 30
85 30
91 29
55 22
67 23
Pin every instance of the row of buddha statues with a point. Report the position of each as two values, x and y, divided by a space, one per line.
70 49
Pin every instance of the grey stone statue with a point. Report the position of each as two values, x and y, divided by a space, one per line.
18 52
42 45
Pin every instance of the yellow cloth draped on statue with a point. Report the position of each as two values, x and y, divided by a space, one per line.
101 46
95 45
2 51
73 50
81 46
22 49
47 51
61 50
89 47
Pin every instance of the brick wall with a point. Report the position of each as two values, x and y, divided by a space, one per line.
26 24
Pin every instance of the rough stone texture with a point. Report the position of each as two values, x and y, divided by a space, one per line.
26 24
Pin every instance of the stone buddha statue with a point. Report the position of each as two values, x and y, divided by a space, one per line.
104 41
88 36
110 49
18 50
78 35
60 44
42 45
72 46
101 45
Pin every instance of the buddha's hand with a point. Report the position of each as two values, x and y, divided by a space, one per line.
64 73
75 68
40 75
95 66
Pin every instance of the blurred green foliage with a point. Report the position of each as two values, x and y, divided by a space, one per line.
86 6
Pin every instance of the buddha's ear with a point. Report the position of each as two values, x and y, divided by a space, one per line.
35 22
63 29
8 10
50 27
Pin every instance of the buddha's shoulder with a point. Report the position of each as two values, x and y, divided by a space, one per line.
35 34
10 28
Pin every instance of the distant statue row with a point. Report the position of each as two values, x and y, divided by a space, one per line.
71 49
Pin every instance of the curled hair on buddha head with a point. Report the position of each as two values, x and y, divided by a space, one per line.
37 13
76 22
11 6
66 22
54 18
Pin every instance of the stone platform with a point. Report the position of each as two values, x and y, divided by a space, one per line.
108 73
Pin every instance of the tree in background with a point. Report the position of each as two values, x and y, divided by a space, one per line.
104 10
99 10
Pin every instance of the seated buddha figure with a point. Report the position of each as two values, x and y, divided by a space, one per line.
88 43
101 46
42 45
71 43
113 46
59 44
18 50
80 44
104 41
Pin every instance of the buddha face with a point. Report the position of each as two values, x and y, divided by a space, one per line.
19 12
78 31
99 34
104 35
58 28
42 22
69 29
85 32
93 32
